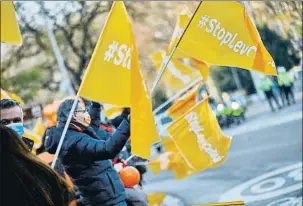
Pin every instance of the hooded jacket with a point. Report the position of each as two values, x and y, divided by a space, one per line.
86 159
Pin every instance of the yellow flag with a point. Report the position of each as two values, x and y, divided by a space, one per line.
177 74
107 78
155 199
39 127
114 77
199 137
32 135
4 94
202 67
8 95
112 111
185 102
182 22
174 160
162 162
10 32
143 128
221 33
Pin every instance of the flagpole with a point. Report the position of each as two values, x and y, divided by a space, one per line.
177 95
159 75
64 131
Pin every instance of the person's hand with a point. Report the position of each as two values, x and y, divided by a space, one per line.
96 105
126 112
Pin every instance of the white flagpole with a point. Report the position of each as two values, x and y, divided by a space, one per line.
177 95
64 131
159 75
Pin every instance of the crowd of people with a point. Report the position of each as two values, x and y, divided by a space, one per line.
84 173
280 86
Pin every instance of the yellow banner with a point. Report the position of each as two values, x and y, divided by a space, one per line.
177 74
8 95
185 102
114 77
221 33
39 127
173 160
112 111
143 128
182 22
199 137
107 78
10 32
202 67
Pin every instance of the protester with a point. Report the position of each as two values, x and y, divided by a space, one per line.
285 85
26 180
48 158
127 150
86 157
266 86
11 115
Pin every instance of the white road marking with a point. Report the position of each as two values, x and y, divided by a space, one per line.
235 193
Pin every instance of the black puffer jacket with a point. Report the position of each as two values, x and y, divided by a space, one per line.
86 159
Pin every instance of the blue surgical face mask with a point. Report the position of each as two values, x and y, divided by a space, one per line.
17 127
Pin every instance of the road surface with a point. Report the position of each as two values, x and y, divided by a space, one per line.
263 168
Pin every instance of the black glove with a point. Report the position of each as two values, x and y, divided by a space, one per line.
96 105
126 112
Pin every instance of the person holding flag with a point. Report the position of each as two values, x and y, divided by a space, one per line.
86 156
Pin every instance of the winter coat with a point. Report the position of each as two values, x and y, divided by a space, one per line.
86 159
136 197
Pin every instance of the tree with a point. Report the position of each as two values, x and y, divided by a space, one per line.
159 97
282 50
76 31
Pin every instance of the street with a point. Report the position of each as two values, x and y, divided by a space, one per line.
263 168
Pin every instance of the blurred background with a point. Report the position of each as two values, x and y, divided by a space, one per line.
33 72
59 38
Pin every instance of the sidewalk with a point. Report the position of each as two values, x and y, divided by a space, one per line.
260 107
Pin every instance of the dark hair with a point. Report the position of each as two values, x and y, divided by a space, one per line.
28 179
64 109
8 103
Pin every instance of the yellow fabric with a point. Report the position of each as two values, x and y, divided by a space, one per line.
10 32
177 74
8 95
4 95
184 103
112 111
162 162
199 137
107 78
121 83
31 135
155 199
143 128
182 22
202 67
221 33
233 203
175 161
39 128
